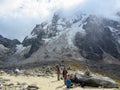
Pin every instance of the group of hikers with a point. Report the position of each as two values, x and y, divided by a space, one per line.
65 75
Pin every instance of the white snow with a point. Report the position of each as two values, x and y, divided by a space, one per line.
19 48
61 21
31 36
77 27
22 50
118 26
46 39
2 47
115 33
45 26
60 27
112 29
69 31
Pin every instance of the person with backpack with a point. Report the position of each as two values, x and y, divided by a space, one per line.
68 82
64 75
58 72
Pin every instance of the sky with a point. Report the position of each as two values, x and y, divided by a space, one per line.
19 17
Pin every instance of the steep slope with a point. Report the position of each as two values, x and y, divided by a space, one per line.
54 40
7 48
3 50
89 39
90 35
102 36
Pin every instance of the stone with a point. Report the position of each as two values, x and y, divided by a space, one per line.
93 80
32 87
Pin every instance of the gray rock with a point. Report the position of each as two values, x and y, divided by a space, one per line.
93 80
32 87
99 38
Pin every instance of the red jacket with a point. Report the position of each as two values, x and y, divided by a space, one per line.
58 71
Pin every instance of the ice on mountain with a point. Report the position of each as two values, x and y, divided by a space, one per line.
22 50
76 27
112 29
46 39
19 48
61 21
60 27
31 36
2 47
115 33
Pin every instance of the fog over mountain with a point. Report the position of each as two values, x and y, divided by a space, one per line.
18 17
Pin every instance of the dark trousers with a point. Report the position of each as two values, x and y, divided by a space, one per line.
58 77
64 80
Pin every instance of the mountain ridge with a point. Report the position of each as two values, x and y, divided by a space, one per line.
86 38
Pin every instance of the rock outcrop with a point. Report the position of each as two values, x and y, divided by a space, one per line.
86 38
7 48
93 80
100 37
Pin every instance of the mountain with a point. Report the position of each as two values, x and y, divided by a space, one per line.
91 35
88 39
7 48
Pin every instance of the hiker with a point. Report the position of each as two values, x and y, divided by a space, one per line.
68 82
64 74
58 72
87 72
75 80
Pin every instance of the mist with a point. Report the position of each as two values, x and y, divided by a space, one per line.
18 17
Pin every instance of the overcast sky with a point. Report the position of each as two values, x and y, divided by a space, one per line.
19 17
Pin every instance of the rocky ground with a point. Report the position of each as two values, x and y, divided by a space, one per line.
42 78
43 83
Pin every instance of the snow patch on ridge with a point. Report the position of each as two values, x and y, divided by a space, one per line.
115 33
22 50
31 36
76 27
19 48
2 47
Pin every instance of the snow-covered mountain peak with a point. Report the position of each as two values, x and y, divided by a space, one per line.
79 37
57 25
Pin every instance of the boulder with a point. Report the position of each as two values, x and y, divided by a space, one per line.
32 87
93 80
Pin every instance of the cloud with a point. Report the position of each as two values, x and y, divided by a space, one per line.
16 27
104 8
43 8
101 7
34 8
18 17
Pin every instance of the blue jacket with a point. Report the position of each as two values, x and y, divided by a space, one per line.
68 83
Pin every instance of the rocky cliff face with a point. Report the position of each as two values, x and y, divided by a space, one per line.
92 36
7 48
83 37
8 43
100 38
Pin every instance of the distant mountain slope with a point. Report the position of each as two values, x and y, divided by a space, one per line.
86 38
88 34
7 47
